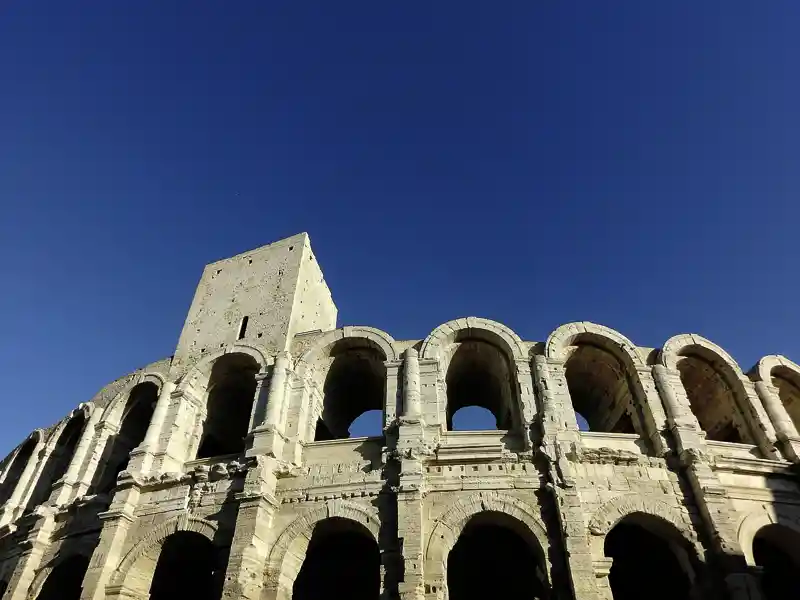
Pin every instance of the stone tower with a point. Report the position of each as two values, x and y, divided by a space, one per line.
232 470
262 297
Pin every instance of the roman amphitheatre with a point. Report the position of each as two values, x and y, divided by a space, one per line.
228 470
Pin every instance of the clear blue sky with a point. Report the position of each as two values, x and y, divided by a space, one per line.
535 162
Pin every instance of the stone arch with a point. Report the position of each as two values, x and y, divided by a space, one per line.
613 511
675 346
712 379
114 409
13 483
83 551
479 366
156 536
36 436
476 327
559 341
765 367
781 377
752 522
348 367
200 372
287 553
60 450
449 526
380 339
40 578
602 369
84 409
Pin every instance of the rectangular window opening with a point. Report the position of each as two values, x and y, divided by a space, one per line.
242 328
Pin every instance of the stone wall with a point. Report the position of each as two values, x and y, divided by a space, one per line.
410 513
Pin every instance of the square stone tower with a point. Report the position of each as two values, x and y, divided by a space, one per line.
262 297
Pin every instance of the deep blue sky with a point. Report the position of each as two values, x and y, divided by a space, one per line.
535 162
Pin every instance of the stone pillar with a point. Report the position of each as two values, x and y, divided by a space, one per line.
785 431
71 487
715 507
277 391
250 546
411 533
268 438
92 466
527 400
656 420
602 569
13 507
412 397
179 436
561 437
260 399
24 494
108 553
30 559
142 457
759 422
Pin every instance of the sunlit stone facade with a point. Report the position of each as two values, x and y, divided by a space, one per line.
228 471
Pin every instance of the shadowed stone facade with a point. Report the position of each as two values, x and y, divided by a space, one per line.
227 470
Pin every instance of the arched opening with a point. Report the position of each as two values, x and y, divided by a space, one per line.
473 418
776 549
496 556
188 567
57 464
713 400
648 555
231 392
135 420
601 391
16 469
355 384
479 375
788 384
342 561
65 581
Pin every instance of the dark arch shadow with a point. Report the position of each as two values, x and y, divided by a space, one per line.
496 557
342 561
65 581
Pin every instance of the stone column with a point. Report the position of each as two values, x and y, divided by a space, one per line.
785 430
30 559
180 433
268 437
715 507
31 477
527 400
108 553
655 417
11 509
277 391
250 546
560 436
70 486
759 422
92 467
602 569
412 397
142 457
411 533
259 401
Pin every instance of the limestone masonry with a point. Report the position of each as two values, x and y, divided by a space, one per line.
228 470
